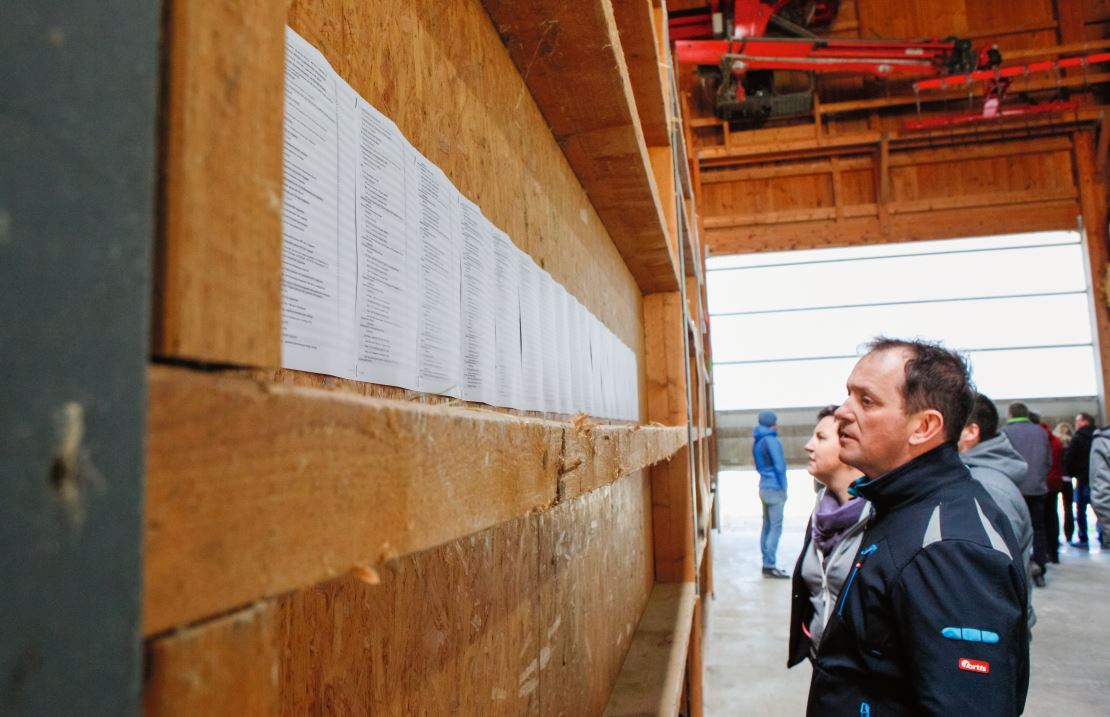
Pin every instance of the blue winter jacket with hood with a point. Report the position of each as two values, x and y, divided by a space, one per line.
769 459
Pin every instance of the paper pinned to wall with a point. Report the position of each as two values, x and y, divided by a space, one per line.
479 286
313 333
391 276
432 208
531 339
386 300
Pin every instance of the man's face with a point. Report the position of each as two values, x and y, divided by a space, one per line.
874 430
1080 421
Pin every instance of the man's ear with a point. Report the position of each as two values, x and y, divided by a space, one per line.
930 424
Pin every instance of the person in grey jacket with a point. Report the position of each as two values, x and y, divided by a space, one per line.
831 542
1031 441
1100 482
1000 469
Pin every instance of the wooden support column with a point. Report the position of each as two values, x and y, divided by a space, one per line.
672 521
1092 200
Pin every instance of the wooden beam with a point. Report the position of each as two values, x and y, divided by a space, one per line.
569 55
1093 199
652 676
641 53
223 113
758 149
1031 85
254 489
942 224
898 158
671 493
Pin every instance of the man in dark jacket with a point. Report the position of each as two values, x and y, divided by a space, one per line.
1030 441
1077 464
933 617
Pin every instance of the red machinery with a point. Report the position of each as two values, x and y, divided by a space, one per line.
743 63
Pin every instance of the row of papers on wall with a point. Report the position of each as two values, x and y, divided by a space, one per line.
392 276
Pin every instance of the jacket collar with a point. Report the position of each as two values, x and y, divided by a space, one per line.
914 480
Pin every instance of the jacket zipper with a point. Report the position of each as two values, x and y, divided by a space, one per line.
852 576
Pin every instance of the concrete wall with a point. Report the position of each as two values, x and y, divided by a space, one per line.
734 428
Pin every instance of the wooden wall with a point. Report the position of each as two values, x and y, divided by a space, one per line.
532 617
528 616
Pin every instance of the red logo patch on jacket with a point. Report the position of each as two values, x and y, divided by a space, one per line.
979 666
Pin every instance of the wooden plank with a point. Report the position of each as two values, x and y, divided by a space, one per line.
651 679
570 57
1093 198
1031 85
497 623
635 21
694 664
218 274
945 224
254 489
665 359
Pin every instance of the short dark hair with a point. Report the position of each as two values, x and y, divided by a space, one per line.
826 412
1035 417
1018 410
936 378
985 415
1087 417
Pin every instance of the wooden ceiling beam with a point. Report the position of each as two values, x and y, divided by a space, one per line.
640 42
821 233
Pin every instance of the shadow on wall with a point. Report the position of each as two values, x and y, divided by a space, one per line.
734 428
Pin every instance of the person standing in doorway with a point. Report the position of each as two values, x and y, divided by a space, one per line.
1030 440
1077 464
1065 432
771 464
1054 483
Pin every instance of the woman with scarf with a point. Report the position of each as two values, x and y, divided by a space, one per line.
832 540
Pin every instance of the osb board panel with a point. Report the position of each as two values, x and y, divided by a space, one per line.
217 293
254 489
439 70
579 593
571 59
530 617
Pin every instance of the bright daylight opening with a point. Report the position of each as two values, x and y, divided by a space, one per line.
787 327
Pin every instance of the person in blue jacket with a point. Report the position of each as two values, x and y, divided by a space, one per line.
771 464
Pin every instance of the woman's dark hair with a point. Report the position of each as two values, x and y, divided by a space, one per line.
826 412
936 378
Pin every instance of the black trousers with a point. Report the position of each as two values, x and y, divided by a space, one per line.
1035 503
1052 525
1069 514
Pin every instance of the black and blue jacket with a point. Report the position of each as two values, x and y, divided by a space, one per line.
932 618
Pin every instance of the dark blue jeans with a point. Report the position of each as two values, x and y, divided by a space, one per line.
1082 500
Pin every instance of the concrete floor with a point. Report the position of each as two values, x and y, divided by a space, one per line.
745 646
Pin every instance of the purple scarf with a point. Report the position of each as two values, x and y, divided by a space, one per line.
832 520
